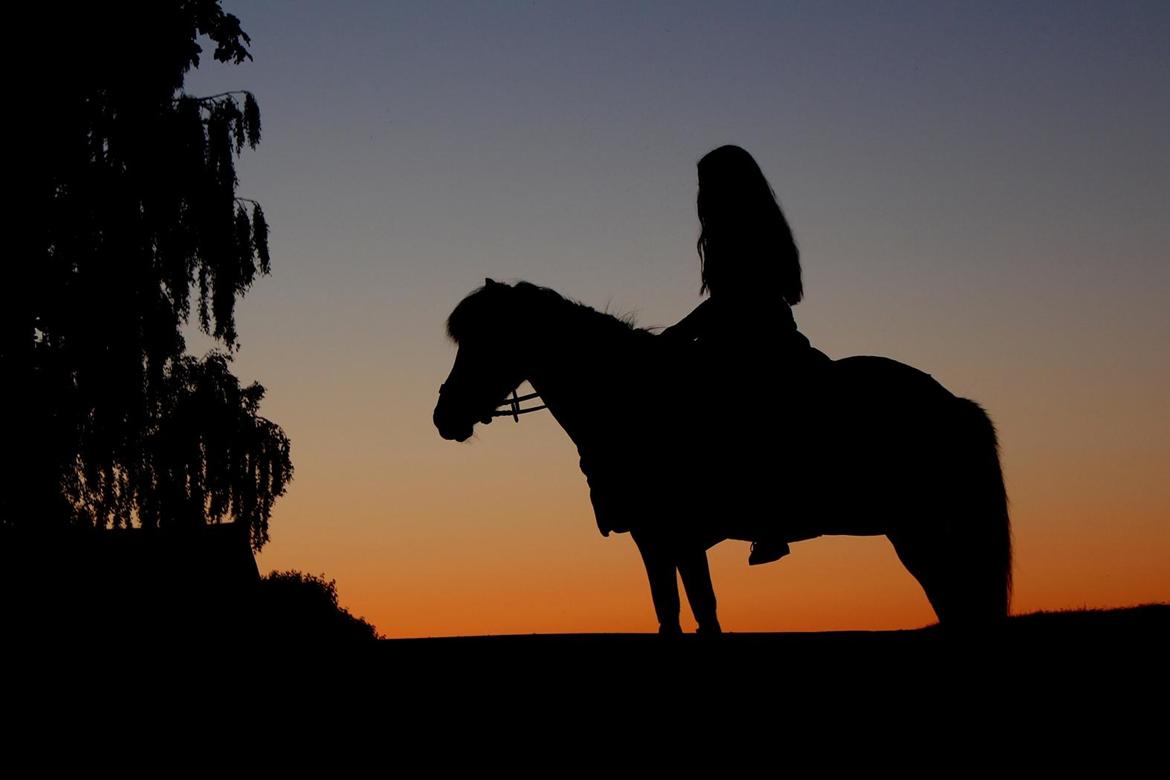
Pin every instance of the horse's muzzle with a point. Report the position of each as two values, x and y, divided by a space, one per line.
450 430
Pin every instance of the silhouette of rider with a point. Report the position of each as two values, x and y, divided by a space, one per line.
750 269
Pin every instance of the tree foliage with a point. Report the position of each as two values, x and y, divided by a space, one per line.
131 223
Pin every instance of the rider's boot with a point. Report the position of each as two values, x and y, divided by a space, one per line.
766 551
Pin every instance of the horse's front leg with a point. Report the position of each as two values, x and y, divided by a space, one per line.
660 569
696 577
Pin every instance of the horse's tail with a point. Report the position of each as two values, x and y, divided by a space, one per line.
985 543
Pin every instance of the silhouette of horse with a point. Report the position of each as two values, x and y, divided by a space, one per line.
863 446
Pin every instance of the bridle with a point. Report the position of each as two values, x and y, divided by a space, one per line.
513 409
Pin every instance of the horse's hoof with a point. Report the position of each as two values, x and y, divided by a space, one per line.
714 630
675 630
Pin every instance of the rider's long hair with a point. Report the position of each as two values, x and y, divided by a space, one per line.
745 243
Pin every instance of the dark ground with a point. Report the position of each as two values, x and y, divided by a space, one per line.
1093 651
1071 685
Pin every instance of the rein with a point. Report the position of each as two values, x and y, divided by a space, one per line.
514 411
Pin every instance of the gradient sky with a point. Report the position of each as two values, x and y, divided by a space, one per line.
981 190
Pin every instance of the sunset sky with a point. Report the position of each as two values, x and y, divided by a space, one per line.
981 190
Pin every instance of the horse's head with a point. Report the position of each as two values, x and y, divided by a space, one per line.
487 366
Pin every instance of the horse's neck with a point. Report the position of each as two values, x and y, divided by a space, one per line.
569 384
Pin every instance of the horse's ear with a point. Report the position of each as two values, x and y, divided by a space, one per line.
489 282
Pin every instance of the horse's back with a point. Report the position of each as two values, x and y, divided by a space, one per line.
850 436
883 379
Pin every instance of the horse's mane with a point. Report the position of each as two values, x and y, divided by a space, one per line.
497 303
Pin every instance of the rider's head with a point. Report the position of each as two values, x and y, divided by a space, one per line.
745 243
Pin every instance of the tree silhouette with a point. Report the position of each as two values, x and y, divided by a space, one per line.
128 221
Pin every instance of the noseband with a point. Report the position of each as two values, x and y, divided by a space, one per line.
513 409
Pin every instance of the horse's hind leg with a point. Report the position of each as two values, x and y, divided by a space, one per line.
696 577
960 584
922 553
660 569
964 562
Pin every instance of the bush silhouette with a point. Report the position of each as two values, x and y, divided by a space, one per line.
298 606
